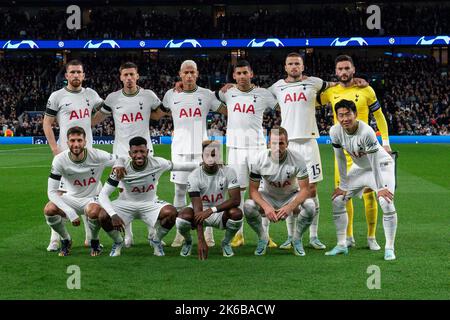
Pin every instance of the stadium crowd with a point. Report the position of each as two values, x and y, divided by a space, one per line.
280 21
415 93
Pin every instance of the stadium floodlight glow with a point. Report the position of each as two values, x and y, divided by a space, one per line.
22 44
338 43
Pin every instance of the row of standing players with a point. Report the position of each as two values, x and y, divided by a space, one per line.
297 97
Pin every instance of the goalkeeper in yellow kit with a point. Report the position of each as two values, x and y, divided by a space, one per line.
366 101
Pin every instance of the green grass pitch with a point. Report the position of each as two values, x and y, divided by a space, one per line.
421 270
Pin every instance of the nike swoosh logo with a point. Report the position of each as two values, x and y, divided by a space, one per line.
68 104
336 97
118 108
233 96
176 102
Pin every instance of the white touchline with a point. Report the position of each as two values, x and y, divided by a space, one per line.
5 151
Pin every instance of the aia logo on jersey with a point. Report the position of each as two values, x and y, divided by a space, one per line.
189 113
143 189
279 184
244 108
84 182
131 117
295 97
79 114
212 198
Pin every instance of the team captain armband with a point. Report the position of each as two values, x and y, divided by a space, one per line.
375 106
55 176
106 108
51 112
255 176
194 194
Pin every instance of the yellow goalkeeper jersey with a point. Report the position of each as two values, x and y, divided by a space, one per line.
365 100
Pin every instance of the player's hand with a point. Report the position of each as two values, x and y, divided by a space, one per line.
386 194
76 222
338 192
202 216
361 83
55 151
388 149
117 223
120 172
271 214
178 86
227 87
283 212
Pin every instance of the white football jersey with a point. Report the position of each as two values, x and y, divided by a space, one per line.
82 179
131 115
189 111
73 108
212 188
279 177
359 144
140 184
297 101
245 116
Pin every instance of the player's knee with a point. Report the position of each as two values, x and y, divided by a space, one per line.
50 209
103 216
168 216
250 208
93 211
386 206
339 204
186 214
235 214
310 207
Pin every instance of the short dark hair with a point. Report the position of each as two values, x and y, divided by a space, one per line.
295 54
76 130
128 65
347 104
242 64
137 141
343 57
74 62
280 131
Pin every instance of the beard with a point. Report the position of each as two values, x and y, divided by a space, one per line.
350 78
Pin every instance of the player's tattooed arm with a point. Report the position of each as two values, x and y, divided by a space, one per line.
233 200
160 112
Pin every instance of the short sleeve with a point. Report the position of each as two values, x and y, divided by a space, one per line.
269 99
108 159
165 164
98 101
154 100
108 104
322 98
52 105
232 179
319 84
222 96
272 90
303 169
213 102
167 99
193 187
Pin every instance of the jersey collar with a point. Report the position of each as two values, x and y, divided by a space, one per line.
133 94
78 161
72 91
191 91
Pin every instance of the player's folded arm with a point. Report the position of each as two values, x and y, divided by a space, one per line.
55 197
103 198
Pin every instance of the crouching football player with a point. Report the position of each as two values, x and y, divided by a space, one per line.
208 187
372 168
139 200
82 169
284 192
